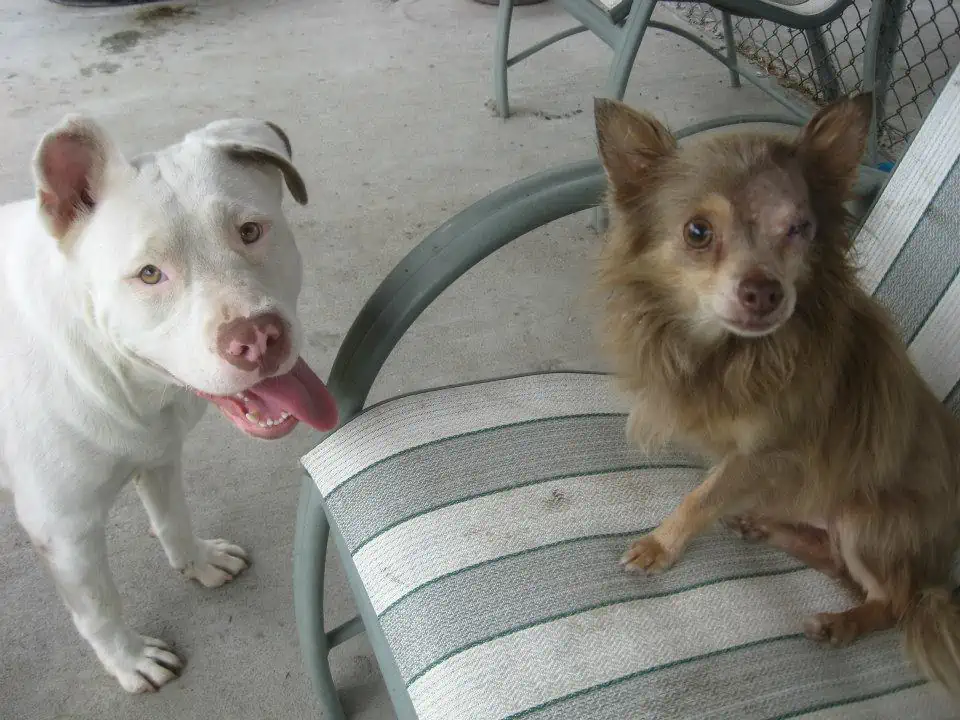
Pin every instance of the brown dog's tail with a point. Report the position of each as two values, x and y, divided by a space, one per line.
932 634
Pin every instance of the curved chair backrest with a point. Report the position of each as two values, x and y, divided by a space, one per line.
909 245
798 14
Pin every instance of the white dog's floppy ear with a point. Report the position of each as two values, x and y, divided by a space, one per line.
256 140
69 168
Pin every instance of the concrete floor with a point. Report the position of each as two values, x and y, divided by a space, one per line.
385 105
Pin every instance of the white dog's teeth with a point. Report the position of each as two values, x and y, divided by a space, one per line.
239 396
254 419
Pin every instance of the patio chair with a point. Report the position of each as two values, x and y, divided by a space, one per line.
621 24
480 525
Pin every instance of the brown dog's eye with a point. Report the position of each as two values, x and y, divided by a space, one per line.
798 230
250 232
698 234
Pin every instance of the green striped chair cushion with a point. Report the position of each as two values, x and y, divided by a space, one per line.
485 522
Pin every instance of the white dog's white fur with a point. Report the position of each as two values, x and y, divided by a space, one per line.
118 280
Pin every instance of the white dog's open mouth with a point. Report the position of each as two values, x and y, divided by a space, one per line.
272 408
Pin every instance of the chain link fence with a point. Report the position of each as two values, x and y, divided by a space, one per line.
928 49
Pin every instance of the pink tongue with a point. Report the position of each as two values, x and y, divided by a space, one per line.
301 393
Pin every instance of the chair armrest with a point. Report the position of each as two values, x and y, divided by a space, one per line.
445 255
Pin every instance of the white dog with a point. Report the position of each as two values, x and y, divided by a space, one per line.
133 293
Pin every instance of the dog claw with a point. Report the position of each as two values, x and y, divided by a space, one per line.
218 562
834 629
150 669
165 659
154 642
646 555
746 527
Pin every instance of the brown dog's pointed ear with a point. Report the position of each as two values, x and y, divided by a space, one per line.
69 169
832 143
629 142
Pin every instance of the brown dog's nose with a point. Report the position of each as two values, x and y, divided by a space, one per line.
760 295
257 342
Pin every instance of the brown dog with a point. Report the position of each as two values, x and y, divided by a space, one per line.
737 323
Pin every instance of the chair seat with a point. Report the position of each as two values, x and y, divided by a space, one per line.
749 8
485 522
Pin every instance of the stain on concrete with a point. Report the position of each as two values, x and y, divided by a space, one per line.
154 21
121 42
491 105
557 116
150 16
103 68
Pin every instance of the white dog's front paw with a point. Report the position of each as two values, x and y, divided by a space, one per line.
149 669
217 562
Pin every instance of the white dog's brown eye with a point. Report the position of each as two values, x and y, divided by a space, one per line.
698 234
250 232
150 275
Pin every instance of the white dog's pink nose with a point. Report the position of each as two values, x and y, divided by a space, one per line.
256 347
258 342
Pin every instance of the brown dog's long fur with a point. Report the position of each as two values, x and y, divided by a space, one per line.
825 440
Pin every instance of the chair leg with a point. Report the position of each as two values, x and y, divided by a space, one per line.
883 37
731 48
502 57
633 29
630 39
824 66
601 219
309 562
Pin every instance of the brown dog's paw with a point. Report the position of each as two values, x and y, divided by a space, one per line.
747 527
647 554
836 629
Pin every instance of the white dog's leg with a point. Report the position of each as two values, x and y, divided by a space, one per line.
210 562
78 562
